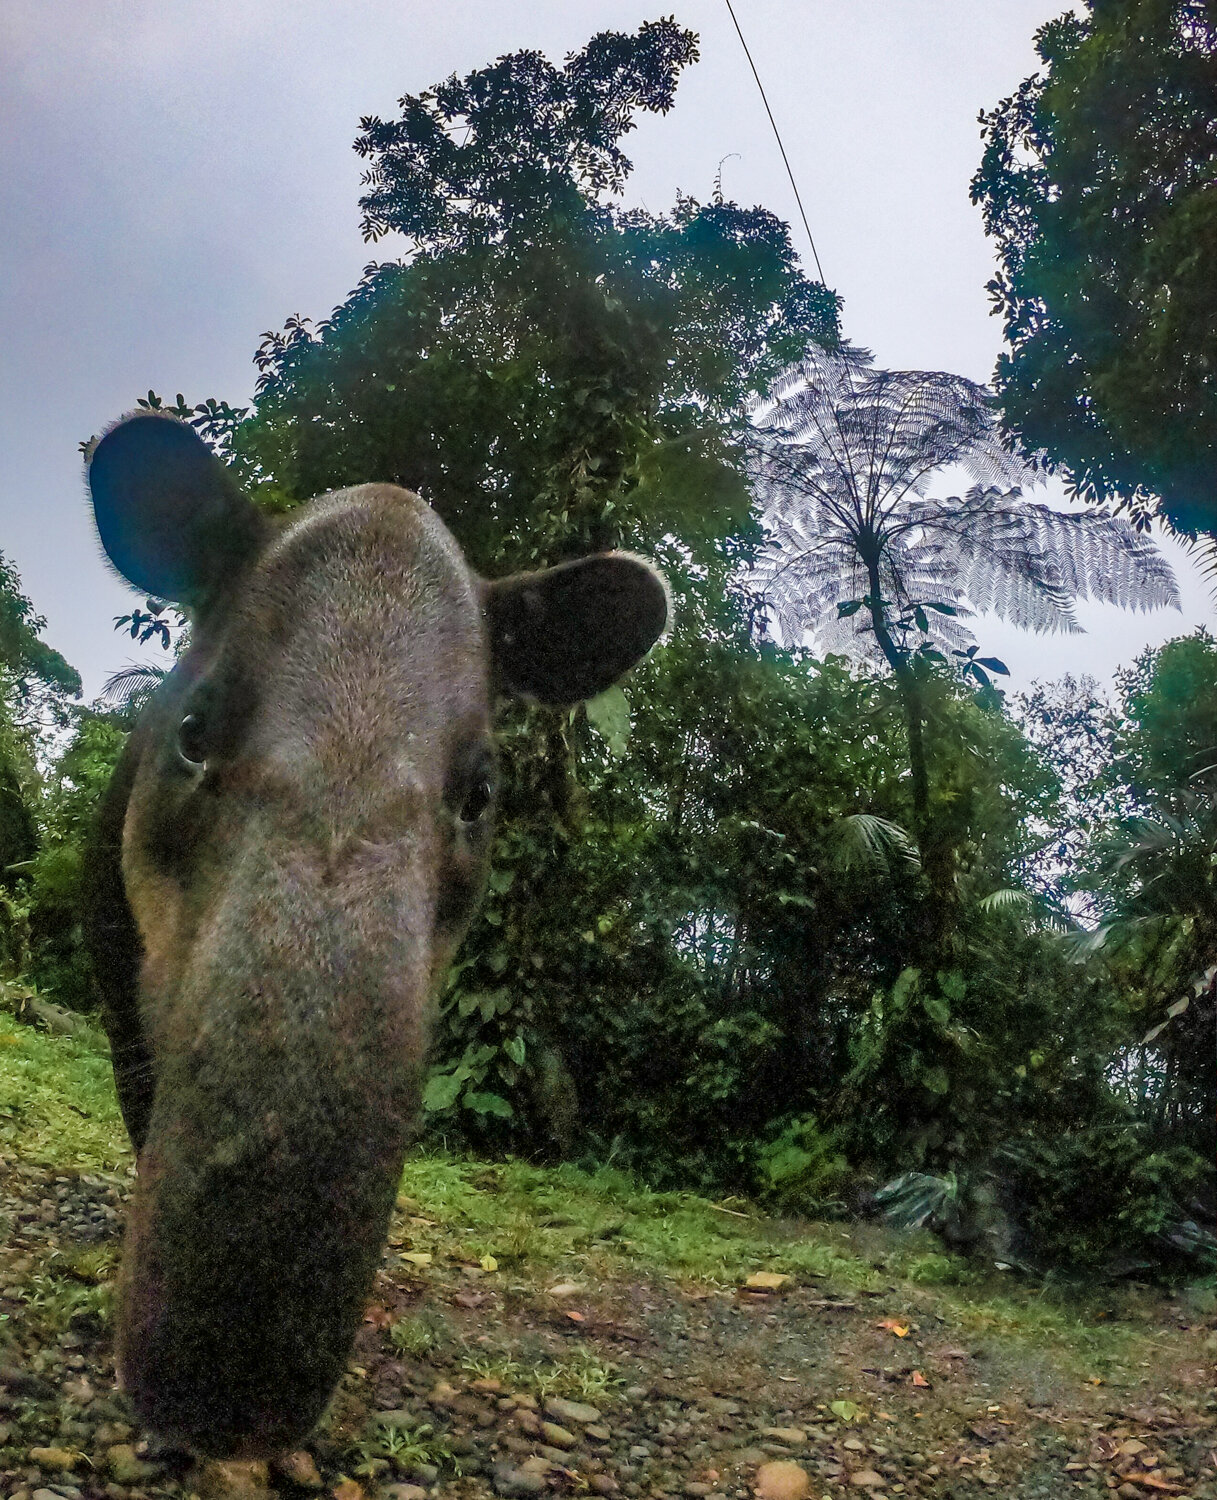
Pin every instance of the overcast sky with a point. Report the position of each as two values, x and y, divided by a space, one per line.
179 178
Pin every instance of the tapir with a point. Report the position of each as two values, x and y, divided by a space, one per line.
289 852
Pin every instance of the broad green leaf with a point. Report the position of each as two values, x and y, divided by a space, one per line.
609 714
489 1104
936 1080
441 1091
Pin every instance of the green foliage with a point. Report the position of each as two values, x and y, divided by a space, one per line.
36 684
71 798
803 1169
1102 1198
1096 183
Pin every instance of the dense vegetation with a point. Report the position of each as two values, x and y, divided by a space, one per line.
1097 185
729 939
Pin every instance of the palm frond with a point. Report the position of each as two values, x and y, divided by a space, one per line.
130 689
870 843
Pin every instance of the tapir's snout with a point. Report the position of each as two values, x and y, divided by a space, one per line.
250 1257
274 1149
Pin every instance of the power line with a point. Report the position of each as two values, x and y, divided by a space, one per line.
777 135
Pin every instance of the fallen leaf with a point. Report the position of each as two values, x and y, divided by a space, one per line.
576 1317
766 1281
469 1299
417 1258
901 1330
488 1263
846 1411
884 1416
1094 1380
565 1289
920 1380
378 1316
347 1489
1154 1482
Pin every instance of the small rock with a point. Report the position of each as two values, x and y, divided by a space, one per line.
403 1492
397 1420
867 1479
571 1411
300 1469
552 1455
424 1473
110 1433
793 1435
602 1484
61 1459
638 1452
855 1445
486 1387
348 1489
782 1480
23 1382
508 1480
698 1488
442 1394
598 1431
47 1495
126 1467
558 1437
527 1402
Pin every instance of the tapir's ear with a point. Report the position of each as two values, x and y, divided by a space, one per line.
569 632
171 518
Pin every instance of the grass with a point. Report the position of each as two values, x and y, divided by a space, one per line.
542 1226
57 1102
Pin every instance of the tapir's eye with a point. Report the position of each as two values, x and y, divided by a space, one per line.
477 798
190 744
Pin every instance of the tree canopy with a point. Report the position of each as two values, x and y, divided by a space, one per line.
1097 186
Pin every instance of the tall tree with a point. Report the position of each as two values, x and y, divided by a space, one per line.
553 372
864 558
1097 185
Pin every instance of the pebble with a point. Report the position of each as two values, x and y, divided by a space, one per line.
571 1411
782 1480
867 1479
508 1480
558 1437
602 1484
55 1458
403 1492
397 1420
598 1431
793 1435
300 1469
126 1467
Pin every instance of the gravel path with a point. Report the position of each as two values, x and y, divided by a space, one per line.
469 1382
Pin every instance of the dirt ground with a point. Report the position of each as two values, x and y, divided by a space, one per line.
470 1380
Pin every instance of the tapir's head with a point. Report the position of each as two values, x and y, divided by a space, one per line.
303 845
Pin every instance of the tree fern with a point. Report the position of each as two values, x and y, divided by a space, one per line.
841 457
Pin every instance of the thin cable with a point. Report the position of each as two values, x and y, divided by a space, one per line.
777 135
